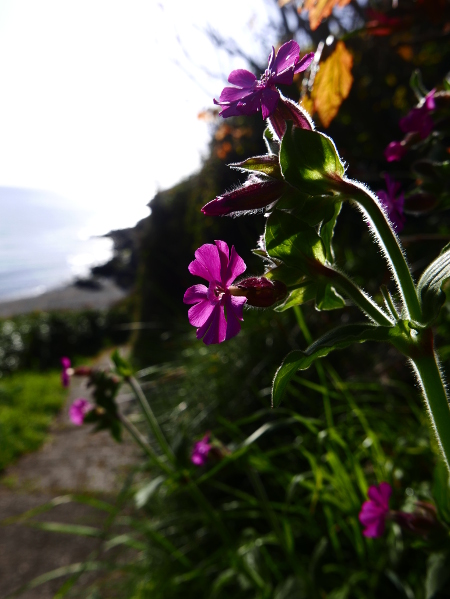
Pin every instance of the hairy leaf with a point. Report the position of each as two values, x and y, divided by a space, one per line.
310 162
430 284
332 83
336 339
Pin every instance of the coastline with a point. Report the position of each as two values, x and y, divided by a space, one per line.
68 297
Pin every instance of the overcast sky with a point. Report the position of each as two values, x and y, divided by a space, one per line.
93 106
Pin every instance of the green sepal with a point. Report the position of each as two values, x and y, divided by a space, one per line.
429 287
294 242
272 144
268 165
336 339
310 162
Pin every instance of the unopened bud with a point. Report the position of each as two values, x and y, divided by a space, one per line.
287 110
253 195
422 522
260 292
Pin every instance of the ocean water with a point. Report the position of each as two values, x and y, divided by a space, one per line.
43 244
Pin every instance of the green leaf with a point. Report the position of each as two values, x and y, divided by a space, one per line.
327 298
123 367
147 491
429 287
441 490
327 231
305 293
309 161
438 573
293 241
267 164
336 339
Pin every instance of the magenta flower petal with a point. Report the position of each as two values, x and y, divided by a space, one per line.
304 63
65 378
200 451
78 410
395 151
217 331
269 101
287 57
232 94
242 78
235 307
195 294
220 267
393 202
199 313
373 513
236 267
208 256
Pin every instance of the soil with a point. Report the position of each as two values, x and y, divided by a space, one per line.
74 460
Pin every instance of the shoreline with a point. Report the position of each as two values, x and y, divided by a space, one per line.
67 297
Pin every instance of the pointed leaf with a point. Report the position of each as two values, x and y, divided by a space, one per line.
327 231
336 339
430 284
293 241
310 162
332 84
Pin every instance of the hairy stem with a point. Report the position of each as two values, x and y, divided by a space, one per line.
435 395
392 250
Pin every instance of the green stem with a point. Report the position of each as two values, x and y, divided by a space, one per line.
357 295
433 388
392 250
151 419
141 442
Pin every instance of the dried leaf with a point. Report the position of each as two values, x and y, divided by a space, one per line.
333 83
282 3
320 10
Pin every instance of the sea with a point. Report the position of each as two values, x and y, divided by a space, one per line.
43 243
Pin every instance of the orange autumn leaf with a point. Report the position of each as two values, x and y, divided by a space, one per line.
333 83
320 10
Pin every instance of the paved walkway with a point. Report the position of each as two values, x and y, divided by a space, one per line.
73 460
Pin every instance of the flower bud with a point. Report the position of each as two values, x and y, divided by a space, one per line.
260 292
253 195
422 522
287 110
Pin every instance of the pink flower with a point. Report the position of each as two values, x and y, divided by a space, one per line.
395 151
200 451
252 95
373 513
66 371
220 268
393 203
418 120
78 410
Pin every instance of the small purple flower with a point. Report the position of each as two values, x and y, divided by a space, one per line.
393 203
418 120
200 451
252 95
78 410
374 512
395 151
66 371
220 268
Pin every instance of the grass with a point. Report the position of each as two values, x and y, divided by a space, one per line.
28 403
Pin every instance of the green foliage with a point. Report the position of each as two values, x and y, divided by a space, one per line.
39 340
28 404
430 285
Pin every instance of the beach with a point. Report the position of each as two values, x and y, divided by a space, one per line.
69 297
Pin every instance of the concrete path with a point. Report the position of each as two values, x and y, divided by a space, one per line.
73 460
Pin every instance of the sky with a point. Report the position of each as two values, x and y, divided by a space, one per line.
99 98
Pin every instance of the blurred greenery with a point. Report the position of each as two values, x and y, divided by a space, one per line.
29 402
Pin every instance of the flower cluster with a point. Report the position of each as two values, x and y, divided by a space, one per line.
78 410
